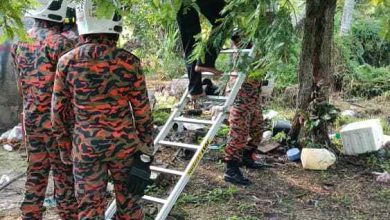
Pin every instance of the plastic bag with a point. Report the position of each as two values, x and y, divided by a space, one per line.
16 134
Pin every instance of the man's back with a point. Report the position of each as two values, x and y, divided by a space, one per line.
36 63
101 82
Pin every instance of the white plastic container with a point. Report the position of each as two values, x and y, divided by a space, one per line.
317 159
362 137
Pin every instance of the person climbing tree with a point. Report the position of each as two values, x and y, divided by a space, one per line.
189 26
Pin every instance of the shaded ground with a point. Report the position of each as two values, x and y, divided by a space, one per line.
286 191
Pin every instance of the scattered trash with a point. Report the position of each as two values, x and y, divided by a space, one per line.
49 202
268 88
267 135
268 147
9 181
152 99
178 127
270 114
13 135
313 202
349 113
215 110
281 126
317 159
382 177
194 112
336 136
293 154
4 179
5 135
8 147
362 137
214 147
193 127
16 134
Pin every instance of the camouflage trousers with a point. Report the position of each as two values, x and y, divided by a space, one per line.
91 189
43 156
246 121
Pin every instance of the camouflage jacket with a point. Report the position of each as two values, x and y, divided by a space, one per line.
36 64
104 88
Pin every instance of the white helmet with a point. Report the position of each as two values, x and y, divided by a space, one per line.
88 21
50 10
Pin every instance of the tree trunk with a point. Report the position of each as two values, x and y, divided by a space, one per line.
315 66
346 20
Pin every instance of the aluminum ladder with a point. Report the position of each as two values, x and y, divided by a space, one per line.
168 203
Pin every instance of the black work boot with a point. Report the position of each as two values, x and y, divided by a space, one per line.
234 175
249 160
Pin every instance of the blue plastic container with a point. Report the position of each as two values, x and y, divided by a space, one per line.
293 154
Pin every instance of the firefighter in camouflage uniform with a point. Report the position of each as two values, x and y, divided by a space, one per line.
36 64
246 128
104 88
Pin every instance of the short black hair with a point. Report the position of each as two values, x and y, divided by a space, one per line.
42 22
114 37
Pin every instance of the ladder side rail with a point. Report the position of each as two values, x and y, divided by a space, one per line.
177 190
179 187
169 123
161 135
110 210
236 88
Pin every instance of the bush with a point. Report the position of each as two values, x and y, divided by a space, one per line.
368 81
368 45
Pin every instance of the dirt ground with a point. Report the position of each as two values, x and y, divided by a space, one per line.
347 190
286 191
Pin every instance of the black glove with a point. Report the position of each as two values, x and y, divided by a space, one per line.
140 173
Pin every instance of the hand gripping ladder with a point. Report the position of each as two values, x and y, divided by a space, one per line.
200 150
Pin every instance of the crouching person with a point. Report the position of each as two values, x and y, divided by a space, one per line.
104 89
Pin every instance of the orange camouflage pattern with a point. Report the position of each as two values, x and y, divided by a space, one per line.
36 63
103 88
245 120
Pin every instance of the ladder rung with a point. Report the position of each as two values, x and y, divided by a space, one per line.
176 144
207 74
236 51
193 121
214 97
163 170
204 74
154 199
